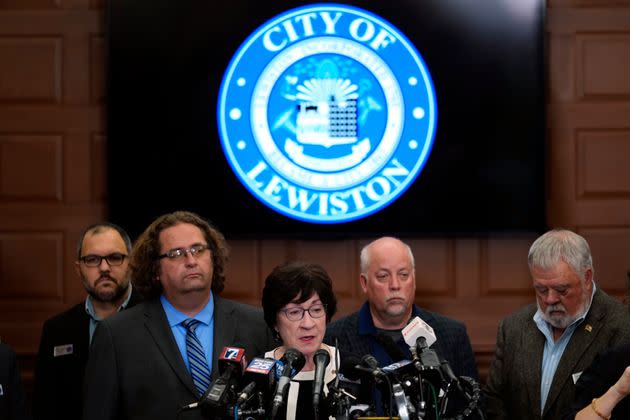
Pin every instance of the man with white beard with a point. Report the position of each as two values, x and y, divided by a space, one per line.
102 265
543 348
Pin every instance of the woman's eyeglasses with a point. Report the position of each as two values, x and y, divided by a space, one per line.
296 314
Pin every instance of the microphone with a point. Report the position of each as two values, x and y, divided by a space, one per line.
399 368
369 365
292 361
321 359
348 368
427 362
370 361
418 328
427 356
260 374
448 372
419 336
215 400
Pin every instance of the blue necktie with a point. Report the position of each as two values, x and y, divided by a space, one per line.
196 357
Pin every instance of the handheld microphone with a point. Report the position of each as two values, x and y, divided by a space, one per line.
231 363
260 374
292 361
321 359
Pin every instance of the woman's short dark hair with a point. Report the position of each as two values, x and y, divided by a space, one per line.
296 282
144 256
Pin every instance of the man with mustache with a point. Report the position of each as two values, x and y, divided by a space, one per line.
388 280
157 358
103 266
543 348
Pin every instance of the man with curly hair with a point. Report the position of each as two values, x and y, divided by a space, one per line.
150 361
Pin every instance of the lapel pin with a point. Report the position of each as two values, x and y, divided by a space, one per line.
588 328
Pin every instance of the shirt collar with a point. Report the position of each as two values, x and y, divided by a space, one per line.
176 317
89 305
366 323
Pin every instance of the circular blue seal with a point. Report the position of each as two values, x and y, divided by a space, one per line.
327 113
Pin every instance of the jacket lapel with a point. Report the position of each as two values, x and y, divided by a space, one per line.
532 348
225 326
581 340
159 329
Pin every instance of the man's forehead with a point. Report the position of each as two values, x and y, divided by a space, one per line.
106 237
393 267
552 284
397 260
181 235
555 282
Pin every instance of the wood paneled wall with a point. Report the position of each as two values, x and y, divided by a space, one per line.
53 180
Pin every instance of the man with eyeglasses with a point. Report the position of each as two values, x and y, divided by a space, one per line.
152 360
103 267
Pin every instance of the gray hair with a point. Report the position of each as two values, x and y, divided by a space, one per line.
365 253
560 245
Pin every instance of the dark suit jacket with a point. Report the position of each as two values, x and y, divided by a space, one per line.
452 343
136 370
59 380
12 400
599 377
513 388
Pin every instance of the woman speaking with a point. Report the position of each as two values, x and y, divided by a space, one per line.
298 302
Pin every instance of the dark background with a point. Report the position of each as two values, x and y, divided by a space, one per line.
485 174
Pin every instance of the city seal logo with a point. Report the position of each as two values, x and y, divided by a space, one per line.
327 113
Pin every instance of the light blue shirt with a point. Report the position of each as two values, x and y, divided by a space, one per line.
554 349
204 331
95 319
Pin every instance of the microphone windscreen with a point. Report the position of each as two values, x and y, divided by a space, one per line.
232 356
418 328
295 358
348 369
290 363
322 356
260 366
369 361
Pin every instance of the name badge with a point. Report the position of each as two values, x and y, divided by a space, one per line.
62 350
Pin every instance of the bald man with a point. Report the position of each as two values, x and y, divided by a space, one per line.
389 282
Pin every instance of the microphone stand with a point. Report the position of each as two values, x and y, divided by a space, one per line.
341 402
422 404
340 398
252 412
